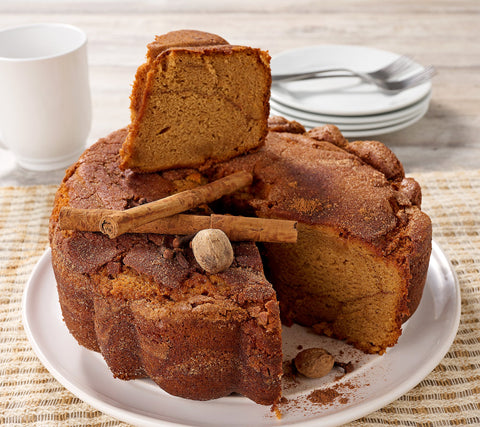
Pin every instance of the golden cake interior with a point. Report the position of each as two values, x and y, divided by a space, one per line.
339 286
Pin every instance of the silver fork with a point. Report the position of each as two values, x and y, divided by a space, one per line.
416 79
389 86
402 63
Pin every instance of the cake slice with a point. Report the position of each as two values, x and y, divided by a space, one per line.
196 100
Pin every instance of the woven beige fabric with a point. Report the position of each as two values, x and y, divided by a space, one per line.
450 395
29 395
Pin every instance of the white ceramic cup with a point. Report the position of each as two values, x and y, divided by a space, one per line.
45 105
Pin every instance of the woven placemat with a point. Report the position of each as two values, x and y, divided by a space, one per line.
450 395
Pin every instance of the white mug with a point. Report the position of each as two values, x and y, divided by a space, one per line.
45 105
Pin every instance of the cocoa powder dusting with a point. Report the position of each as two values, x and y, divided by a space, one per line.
323 397
289 375
329 395
334 394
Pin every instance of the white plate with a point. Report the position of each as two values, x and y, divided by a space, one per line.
320 120
347 96
348 132
375 382
373 120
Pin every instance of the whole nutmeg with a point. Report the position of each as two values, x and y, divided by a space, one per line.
212 250
314 362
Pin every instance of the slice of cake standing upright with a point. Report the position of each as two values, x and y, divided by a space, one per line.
197 99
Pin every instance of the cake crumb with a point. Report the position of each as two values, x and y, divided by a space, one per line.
347 367
275 409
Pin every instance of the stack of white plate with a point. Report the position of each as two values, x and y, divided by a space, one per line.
358 108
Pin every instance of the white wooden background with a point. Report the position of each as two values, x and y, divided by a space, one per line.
439 32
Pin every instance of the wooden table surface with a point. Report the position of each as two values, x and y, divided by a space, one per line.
443 33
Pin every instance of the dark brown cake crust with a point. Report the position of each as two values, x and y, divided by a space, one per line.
326 182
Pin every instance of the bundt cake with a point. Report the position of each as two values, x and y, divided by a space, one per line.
356 273
196 99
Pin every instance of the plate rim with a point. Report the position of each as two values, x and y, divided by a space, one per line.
349 126
351 133
334 419
360 120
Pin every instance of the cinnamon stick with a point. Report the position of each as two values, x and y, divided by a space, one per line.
115 223
237 228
